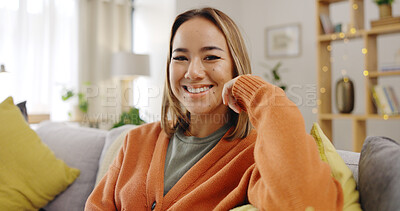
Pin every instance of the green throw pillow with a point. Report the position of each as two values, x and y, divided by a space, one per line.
30 174
339 170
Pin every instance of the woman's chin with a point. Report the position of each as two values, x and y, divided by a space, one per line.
207 110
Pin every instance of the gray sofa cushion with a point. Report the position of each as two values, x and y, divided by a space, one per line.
351 159
80 148
379 174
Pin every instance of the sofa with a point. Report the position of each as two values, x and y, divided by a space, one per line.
87 149
92 151
56 165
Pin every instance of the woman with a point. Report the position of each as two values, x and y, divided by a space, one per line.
226 138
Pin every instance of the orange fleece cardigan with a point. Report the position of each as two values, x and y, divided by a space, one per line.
277 167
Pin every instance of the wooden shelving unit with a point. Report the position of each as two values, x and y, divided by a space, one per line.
370 69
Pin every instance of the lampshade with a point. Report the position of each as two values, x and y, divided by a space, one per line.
127 65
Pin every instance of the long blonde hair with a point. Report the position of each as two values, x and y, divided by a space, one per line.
173 114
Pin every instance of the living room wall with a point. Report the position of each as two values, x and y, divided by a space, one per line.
299 73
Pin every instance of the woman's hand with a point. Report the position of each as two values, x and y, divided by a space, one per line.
227 97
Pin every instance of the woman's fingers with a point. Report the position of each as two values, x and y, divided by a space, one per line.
227 97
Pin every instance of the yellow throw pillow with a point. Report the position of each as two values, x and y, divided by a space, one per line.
339 169
30 174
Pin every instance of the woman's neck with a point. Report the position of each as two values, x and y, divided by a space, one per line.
204 125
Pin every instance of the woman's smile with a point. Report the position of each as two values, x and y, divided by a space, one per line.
200 66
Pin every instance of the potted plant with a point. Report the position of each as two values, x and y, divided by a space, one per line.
385 8
275 77
131 117
77 112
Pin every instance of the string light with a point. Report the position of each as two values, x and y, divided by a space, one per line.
364 51
341 35
333 36
319 102
325 68
329 47
315 110
385 117
322 90
355 6
365 73
353 30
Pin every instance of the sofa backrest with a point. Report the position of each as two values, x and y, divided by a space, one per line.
80 148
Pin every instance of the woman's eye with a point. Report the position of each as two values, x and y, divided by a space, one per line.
212 57
179 58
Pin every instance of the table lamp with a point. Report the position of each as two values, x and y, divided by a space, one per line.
2 69
125 67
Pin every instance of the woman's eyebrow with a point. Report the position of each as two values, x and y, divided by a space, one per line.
209 48
180 50
206 48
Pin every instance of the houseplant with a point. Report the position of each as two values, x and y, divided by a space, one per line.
274 76
77 112
385 8
131 117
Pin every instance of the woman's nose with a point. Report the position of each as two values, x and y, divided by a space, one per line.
196 70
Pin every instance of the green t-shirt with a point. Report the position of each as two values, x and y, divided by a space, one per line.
184 151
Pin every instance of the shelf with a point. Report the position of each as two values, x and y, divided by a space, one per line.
324 78
379 74
340 36
358 116
331 1
388 29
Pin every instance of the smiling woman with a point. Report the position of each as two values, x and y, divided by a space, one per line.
203 54
201 64
205 154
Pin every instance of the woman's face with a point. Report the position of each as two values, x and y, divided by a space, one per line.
200 66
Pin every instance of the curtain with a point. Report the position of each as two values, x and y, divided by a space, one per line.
49 45
38 46
105 28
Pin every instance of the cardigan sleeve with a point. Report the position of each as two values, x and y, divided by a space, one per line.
289 174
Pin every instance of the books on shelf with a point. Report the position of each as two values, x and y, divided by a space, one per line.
385 100
388 68
326 23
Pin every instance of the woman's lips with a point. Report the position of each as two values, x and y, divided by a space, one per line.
197 89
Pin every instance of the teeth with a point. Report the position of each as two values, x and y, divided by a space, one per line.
197 90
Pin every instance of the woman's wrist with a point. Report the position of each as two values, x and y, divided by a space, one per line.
244 88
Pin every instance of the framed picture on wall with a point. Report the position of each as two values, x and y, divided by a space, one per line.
282 41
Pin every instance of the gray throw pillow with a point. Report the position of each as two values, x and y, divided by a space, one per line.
379 174
22 108
80 148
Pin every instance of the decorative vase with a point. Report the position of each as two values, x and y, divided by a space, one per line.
385 10
344 95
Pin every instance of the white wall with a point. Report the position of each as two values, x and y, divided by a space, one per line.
253 17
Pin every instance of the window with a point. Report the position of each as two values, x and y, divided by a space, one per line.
39 48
